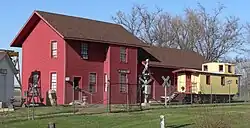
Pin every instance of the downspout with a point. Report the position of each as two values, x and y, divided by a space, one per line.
64 71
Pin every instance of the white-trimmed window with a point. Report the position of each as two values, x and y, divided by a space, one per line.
92 82
123 54
220 68
54 49
229 69
222 80
205 68
53 81
123 82
84 50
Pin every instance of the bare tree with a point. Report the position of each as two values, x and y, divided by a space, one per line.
197 30
163 31
140 22
217 37
132 21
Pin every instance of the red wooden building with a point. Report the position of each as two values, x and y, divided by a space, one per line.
90 52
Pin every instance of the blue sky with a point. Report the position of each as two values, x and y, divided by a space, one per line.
15 13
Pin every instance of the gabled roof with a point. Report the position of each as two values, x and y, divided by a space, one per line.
5 55
77 28
175 58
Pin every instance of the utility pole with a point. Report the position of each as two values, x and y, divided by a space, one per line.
246 87
166 84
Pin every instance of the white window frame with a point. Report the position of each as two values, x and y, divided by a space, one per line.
53 81
123 83
123 54
54 49
84 50
91 83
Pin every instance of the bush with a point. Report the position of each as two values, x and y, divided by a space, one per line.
209 119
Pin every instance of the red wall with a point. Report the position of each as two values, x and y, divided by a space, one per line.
102 59
36 56
106 70
118 97
76 66
158 89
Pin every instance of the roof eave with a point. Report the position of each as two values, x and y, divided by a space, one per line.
10 62
103 41
14 42
17 43
168 66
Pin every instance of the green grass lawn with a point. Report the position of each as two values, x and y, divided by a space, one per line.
237 116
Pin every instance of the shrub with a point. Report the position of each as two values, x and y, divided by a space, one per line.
210 119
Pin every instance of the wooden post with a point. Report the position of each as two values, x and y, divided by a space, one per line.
108 104
229 94
127 96
140 90
162 122
165 96
166 84
33 102
229 97
51 125
211 95
191 90
73 94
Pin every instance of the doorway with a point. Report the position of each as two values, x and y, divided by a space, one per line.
188 82
3 88
76 86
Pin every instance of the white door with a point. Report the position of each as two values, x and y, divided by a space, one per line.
2 88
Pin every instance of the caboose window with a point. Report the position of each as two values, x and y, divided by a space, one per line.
208 80
221 68
223 80
229 69
205 68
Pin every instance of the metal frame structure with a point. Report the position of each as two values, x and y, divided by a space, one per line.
33 94
14 56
